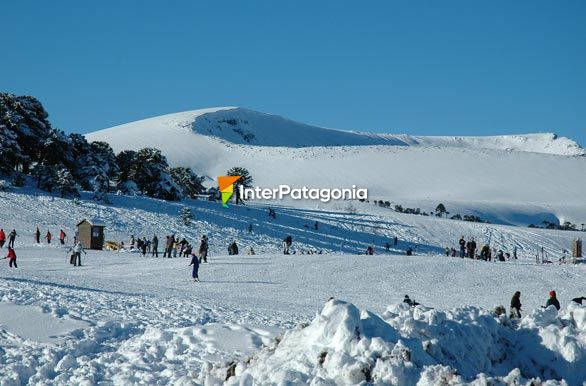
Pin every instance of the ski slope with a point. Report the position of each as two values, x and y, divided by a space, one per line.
126 319
516 180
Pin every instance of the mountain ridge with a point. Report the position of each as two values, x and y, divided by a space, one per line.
248 127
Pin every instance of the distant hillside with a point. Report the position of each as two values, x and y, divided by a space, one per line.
247 127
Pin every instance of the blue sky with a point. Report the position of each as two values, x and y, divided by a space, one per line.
419 67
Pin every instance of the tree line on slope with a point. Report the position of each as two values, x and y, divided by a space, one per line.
57 162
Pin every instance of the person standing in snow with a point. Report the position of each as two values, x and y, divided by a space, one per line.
233 248
132 241
203 249
155 246
553 301
12 256
77 250
2 238
471 247
462 244
144 246
11 237
38 235
515 252
195 263
287 241
515 310
48 237
62 237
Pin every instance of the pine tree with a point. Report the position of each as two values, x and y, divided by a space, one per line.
440 210
245 180
186 216
150 171
65 183
189 182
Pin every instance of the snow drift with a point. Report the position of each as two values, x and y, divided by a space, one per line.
419 346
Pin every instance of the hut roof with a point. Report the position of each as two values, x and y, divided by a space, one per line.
93 222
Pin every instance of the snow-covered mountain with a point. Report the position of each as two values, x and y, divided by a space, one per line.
247 127
508 179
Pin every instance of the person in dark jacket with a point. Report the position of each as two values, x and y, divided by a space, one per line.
12 256
515 310
233 248
195 263
155 246
38 235
48 236
287 241
11 237
471 247
553 301
203 249
408 300
462 244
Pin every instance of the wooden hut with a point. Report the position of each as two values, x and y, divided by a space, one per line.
91 233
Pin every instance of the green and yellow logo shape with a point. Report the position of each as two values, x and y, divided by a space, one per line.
226 185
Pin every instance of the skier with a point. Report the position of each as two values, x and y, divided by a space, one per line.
395 241
195 263
500 256
11 237
515 310
315 225
132 240
203 249
251 251
38 235
485 253
2 238
169 246
233 248
62 237
387 247
552 301
77 250
155 246
515 252
287 241
12 256
370 250
409 251
447 251
48 237
249 228
462 244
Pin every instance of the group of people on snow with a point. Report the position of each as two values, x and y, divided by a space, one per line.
470 250
515 307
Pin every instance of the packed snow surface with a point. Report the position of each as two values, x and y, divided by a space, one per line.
123 318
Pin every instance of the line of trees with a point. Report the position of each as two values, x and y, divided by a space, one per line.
57 162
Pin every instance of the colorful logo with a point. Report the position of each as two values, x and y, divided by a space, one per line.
226 184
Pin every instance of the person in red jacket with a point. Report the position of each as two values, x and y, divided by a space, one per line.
62 236
2 238
12 256
48 237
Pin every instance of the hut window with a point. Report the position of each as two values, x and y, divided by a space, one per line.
95 232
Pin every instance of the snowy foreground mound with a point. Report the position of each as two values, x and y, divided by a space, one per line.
419 346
